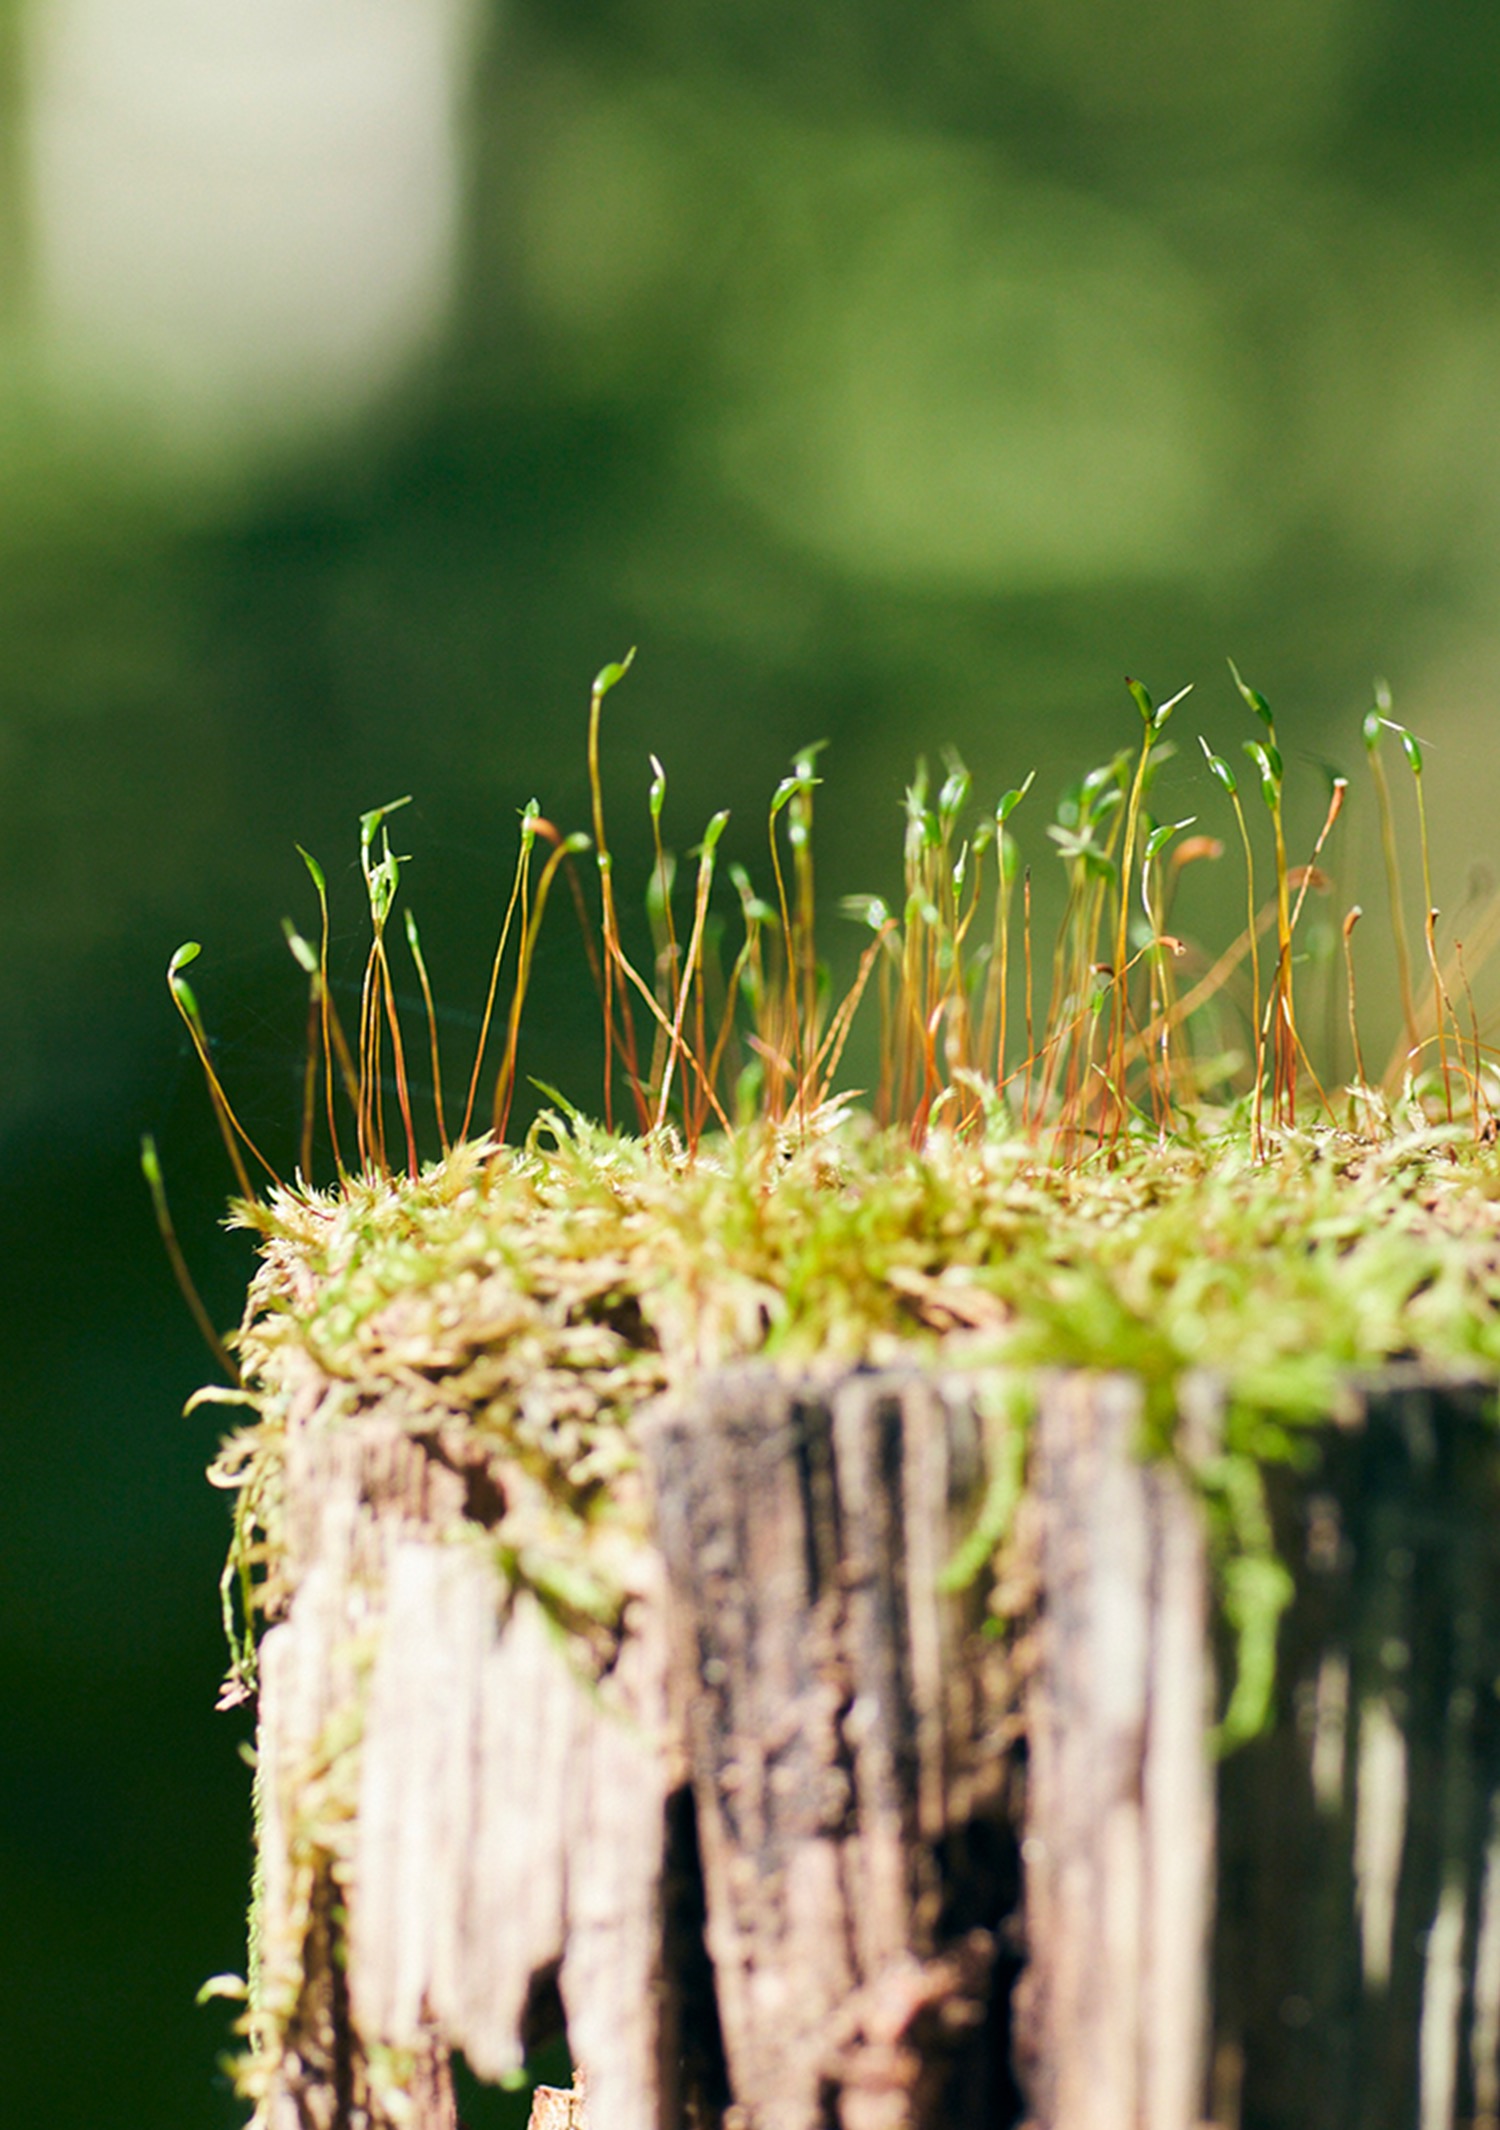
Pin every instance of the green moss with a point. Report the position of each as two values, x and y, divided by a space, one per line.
1121 1173
539 1295
579 1272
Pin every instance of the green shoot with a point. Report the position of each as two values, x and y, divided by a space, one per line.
531 814
1130 1044
232 1131
1284 1050
151 1170
1411 748
1361 1078
690 967
1374 722
414 943
607 678
306 959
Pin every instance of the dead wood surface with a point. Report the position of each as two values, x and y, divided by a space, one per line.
560 2107
849 1734
1112 2010
1357 1963
822 1852
487 1820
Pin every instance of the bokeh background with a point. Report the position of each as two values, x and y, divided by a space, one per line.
371 372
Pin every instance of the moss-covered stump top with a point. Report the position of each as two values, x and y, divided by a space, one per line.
536 1297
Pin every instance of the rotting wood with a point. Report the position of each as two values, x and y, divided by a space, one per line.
1112 2009
453 1819
451 1816
1357 1962
850 1732
560 2107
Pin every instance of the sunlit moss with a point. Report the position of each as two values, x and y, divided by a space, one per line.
1073 1157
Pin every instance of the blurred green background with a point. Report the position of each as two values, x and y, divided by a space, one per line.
371 371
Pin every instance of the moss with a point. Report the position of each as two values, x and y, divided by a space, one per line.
537 1296
1123 1174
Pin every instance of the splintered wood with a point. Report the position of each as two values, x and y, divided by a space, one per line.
560 2107
769 1868
487 1823
847 1728
1112 2010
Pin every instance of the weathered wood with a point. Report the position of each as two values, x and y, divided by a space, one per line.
560 2107
770 1869
437 1775
1358 1953
319 2076
849 1731
1112 2010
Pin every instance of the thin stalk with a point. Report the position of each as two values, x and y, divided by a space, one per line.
884 1088
1440 1007
648 998
231 1130
1477 1100
1153 719
606 680
1372 729
381 877
309 1086
989 1002
726 1024
793 1016
662 873
413 941
307 961
345 1057
799 831
151 1170
1252 933
529 819
1030 1032
1310 874
1116 1080
505 1084
398 1056
1350 921
1284 1062
326 1007
832 1048
371 1121
695 943
1003 894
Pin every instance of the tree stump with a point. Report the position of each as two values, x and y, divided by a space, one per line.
842 1837
850 1737
1357 1963
1119 1849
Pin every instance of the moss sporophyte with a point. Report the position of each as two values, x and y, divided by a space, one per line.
1110 1150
